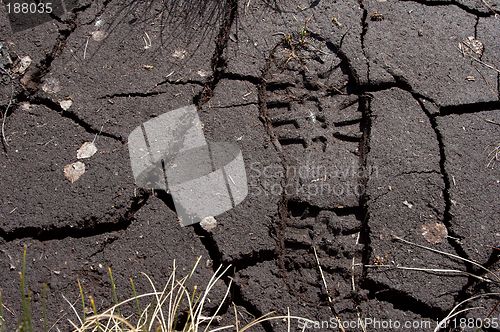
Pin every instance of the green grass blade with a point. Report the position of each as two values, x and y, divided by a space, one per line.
45 294
134 294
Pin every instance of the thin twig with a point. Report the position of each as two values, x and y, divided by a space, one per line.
448 254
453 271
493 10
353 266
99 133
477 60
492 122
5 114
326 288
322 275
85 49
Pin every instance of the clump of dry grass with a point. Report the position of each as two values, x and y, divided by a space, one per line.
164 306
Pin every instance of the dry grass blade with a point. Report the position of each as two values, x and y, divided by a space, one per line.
398 267
443 322
326 288
479 61
452 313
449 255
490 7
5 113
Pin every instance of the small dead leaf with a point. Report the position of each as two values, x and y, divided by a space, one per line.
179 54
471 46
408 204
202 73
98 35
87 150
434 232
25 106
51 85
336 22
376 16
23 64
208 223
66 104
99 23
74 171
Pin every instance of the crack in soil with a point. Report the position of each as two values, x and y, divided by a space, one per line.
469 108
453 3
447 218
89 128
30 82
245 261
498 85
219 62
419 172
240 77
402 300
399 299
364 31
89 228
180 82
33 79
476 25
131 95
250 103
345 63
366 125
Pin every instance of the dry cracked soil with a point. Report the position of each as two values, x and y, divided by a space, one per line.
370 136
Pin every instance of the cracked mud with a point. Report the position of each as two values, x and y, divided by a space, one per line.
361 122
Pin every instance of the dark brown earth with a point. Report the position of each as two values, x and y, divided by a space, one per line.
377 93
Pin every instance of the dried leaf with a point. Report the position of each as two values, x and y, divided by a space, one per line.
472 46
434 232
98 35
74 171
87 150
408 204
51 85
23 64
179 54
203 73
66 104
208 223
25 106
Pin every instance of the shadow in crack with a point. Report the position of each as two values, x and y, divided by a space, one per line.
165 198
